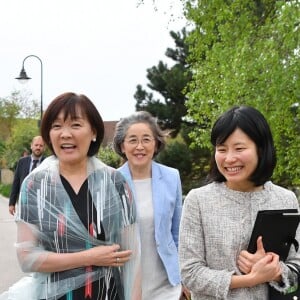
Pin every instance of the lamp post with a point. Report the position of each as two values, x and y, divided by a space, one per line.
23 78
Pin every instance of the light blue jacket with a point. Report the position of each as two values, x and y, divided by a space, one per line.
167 206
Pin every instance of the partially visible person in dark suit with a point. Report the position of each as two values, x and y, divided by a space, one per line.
25 165
25 153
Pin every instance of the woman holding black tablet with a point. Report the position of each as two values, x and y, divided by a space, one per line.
218 218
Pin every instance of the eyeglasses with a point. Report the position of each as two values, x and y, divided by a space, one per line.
134 141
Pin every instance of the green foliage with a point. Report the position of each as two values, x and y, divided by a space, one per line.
8 113
171 82
5 189
168 82
18 119
247 52
109 157
22 133
17 125
18 105
177 155
2 147
2 152
191 163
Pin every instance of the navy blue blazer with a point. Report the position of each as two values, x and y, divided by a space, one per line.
22 170
167 206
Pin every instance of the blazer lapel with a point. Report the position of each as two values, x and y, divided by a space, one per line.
124 169
157 190
157 194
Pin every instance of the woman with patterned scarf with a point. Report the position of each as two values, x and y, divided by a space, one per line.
76 218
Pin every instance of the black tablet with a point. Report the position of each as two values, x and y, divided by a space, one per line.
278 230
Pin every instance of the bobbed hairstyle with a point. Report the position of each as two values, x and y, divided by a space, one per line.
70 104
138 117
253 123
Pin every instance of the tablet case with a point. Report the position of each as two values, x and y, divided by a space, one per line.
278 230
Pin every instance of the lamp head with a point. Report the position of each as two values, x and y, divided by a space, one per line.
23 76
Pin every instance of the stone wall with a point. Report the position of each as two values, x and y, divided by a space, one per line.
6 176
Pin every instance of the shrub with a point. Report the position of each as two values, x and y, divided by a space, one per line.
5 189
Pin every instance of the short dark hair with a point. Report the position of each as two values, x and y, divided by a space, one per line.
253 123
138 117
69 103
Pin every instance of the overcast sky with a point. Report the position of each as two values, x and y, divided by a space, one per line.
95 47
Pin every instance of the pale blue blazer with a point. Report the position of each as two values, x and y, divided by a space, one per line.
167 206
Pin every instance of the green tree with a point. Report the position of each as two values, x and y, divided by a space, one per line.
15 106
177 155
247 52
169 83
18 124
8 113
22 133
109 157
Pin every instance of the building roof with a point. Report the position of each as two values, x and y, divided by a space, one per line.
109 130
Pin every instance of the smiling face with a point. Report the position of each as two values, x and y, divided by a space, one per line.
236 160
71 138
139 146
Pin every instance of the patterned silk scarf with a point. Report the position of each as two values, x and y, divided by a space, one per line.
47 222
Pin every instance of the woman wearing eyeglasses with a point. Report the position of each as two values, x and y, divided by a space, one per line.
157 188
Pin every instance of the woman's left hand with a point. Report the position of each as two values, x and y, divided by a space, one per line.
267 269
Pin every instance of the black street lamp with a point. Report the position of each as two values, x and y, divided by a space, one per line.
23 78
